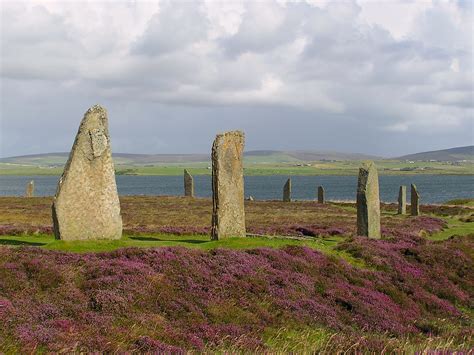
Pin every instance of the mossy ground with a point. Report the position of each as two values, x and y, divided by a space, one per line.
164 240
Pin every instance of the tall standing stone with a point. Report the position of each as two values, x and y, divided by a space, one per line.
402 200
320 194
287 191
228 215
368 201
30 189
415 201
188 184
86 205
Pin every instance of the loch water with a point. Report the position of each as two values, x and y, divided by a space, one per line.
433 188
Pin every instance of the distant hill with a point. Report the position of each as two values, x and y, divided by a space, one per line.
252 157
255 156
314 156
52 159
452 154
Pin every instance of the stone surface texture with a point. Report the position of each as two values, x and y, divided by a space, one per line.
86 205
30 189
228 214
188 184
368 201
320 194
287 191
415 201
402 200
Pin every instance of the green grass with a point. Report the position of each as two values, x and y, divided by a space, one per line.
455 227
326 245
162 240
324 340
291 340
461 202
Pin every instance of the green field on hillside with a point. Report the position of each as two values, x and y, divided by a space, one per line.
385 167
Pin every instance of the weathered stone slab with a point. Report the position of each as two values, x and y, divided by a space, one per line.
287 191
402 200
321 194
188 184
30 189
228 215
415 201
368 201
86 205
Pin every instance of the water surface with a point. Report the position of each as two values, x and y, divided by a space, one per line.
433 188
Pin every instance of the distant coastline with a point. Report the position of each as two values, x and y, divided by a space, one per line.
453 161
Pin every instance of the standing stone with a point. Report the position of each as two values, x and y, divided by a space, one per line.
228 215
86 205
287 191
402 200
30 189
415 201
320 194
188 184
368 202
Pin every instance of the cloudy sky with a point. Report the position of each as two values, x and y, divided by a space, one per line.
378 77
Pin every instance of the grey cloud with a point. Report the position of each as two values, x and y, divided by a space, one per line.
36 45
177 25
265 27
31 26
296 70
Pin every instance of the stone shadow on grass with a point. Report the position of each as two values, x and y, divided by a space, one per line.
20 242
151 239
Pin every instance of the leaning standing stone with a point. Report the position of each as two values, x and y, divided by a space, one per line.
320 194
415 201
287 191
368 202
228 215
188 184
402 200
86 205
30 189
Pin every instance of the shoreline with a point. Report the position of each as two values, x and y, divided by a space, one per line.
283 173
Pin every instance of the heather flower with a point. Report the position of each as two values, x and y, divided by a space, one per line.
178 299
147 344
5 306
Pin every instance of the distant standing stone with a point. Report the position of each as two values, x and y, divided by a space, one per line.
368 201
320 194
287 191
228 215
30 189
188 184
86 205
415 201
402 200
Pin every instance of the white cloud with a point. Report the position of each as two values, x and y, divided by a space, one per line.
398 17
391 65
398 127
